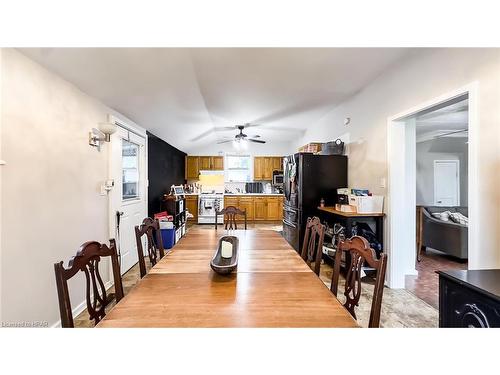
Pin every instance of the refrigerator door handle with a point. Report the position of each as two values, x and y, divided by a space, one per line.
286 222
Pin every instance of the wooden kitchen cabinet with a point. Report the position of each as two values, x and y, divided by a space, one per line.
260 208
195 164
268 168
273 208
217 163
205 163
248 205
192 167
231 201
192 206
263 167
258 168
277 163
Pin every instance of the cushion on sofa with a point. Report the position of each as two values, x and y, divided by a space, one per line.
459 218
443 216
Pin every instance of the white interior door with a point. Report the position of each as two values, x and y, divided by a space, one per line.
446 183
128 196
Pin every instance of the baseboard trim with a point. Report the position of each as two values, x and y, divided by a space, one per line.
81 307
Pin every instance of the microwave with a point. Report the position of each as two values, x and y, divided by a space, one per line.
277 178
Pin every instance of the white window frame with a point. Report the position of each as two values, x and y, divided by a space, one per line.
226 166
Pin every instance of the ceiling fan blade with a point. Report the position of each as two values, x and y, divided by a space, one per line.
221 128
225 141
255 140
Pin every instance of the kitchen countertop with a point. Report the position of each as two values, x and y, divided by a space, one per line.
257 194
244 194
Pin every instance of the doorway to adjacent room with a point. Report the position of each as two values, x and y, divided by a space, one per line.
422 131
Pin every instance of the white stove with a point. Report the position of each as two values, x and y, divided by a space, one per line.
208 203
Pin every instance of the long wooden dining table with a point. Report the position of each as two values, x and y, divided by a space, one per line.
271 287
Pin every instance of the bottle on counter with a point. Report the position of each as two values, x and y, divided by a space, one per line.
322 202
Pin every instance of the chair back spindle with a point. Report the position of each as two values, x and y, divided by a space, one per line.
149 228
87 261
312 246
230 213
360 252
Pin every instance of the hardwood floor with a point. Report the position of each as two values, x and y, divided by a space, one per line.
426 285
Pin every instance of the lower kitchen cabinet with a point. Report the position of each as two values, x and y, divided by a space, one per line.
192 206
246 204
258 208
273 208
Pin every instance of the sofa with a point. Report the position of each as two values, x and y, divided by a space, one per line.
446 236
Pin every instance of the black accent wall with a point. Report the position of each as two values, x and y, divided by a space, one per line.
165 168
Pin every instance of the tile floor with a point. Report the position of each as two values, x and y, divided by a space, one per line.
400 308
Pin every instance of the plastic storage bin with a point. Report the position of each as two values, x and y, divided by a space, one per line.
168 238
167 234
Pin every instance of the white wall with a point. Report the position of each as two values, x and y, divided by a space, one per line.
448 148
50 186
418 79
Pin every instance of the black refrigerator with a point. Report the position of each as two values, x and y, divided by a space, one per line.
306 179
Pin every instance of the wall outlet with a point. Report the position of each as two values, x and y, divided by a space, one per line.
382 182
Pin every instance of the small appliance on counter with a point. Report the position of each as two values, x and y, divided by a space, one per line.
253 188
278 178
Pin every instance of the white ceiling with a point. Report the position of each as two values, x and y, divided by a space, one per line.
181 95
447 120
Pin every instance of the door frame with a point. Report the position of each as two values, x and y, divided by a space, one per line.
401 248
141 132
457 163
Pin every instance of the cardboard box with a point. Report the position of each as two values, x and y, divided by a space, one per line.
312 147
367 204
345 208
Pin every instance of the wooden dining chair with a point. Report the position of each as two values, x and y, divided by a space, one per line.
230 213
312 246
360 252
155 249
87 260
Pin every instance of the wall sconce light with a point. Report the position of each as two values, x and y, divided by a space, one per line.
103 134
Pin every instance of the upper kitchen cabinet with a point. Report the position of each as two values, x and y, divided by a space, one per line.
263 167
218 163
195 164
192 167
258 168
277 163
205 163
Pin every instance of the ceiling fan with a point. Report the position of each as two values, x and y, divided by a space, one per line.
241 137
